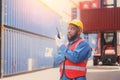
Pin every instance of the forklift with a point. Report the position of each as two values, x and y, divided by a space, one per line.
106 23
108 46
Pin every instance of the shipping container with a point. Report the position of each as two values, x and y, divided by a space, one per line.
27 52
31 15
27 38
105 19
91 38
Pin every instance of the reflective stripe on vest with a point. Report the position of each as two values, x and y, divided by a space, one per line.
75 68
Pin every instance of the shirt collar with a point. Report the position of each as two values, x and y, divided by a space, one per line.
70 43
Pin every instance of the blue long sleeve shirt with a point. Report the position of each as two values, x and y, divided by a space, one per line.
79 54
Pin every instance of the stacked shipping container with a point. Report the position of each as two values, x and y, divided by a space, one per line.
30 15
29 30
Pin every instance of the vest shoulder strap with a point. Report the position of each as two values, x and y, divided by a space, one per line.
74 45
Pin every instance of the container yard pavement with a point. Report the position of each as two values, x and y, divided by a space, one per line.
48 74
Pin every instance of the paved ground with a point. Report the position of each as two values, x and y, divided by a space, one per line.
48 74
53 73
105 75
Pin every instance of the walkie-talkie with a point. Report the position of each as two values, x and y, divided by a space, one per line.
58 35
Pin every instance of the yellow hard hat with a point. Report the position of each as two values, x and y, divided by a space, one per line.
77 22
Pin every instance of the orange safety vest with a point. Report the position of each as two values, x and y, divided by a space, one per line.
73 70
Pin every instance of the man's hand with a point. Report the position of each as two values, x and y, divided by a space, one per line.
60 39
60 56
62 48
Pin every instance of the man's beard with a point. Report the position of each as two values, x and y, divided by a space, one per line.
72 38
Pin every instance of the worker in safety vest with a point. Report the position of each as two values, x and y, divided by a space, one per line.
73 56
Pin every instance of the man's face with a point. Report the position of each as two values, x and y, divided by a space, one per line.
73 32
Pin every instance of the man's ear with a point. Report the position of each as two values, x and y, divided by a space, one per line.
79 31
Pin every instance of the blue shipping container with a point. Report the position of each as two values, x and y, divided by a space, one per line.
31 15
25 52
29 31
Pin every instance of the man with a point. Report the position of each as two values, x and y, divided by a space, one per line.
73 56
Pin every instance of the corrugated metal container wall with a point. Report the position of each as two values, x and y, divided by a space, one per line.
92 41
29 33
26 52
30 15
105 19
